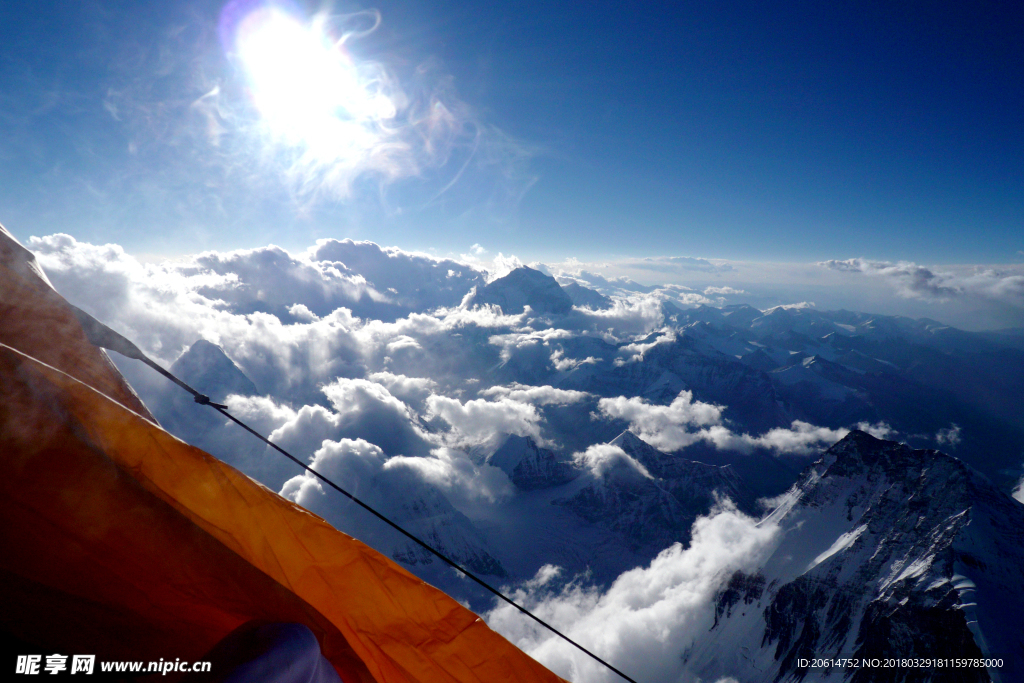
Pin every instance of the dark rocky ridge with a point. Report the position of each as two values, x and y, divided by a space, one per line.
531 467
926 560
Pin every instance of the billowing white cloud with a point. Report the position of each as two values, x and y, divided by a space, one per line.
879 430
623 288
910 278
262 413
302 313
480 420
668 427
165 308
649 615
628 316
563 364
526 339
609 286
481 316
502 266
542 396
350 463
663 427
634 353
426 495
677 294
601 457
360 410
465 483
800 438
413 281
273 278
409 389
799 305
361 467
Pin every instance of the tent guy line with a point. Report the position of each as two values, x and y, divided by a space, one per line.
102 336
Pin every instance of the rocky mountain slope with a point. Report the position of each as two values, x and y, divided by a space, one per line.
885 552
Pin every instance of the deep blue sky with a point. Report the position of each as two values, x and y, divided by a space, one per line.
757 131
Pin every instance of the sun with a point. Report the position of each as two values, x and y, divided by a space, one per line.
306 86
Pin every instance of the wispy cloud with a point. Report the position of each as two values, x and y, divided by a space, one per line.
678 264
949 436
915 281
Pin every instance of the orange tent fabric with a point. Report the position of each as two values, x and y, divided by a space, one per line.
119 540
35 319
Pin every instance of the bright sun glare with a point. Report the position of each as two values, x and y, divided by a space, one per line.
307 87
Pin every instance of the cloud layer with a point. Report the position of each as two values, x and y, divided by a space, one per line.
915 281
644 622
374 365
684 422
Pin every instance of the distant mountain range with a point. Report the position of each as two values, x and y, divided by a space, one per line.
887 547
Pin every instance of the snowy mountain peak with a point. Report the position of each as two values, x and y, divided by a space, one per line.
525 287
690 481
208 369
586 297
529 466
859 453
627 441
885 551
656 503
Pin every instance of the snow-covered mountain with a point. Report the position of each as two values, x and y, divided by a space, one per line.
695 485
208 369
885 552
835 368
531 467
428 515
652 498
586 297
525 287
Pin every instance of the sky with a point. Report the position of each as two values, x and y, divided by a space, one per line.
807 133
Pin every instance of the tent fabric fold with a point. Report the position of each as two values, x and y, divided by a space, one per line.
37 320
118 539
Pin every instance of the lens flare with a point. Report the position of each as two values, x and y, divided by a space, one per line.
332 125
307 88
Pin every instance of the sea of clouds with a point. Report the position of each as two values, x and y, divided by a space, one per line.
372 364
